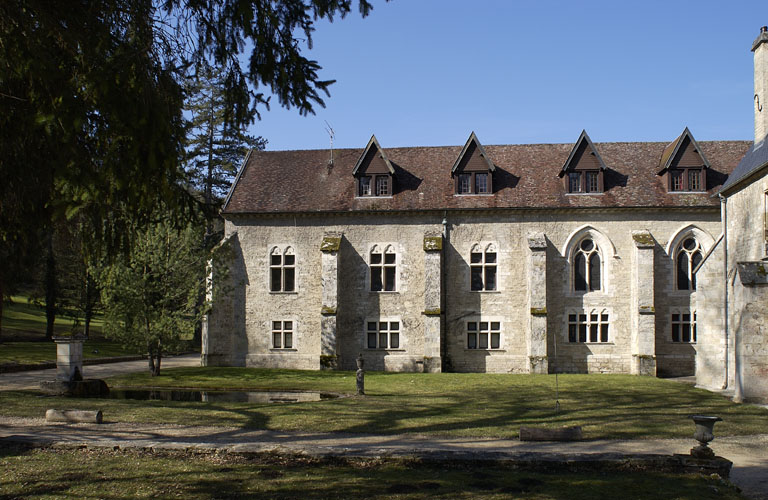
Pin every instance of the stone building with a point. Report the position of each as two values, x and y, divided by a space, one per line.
733 347
583 257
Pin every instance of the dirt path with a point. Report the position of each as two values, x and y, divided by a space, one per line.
748 453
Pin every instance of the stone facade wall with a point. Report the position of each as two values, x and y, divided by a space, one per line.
748 298
239 325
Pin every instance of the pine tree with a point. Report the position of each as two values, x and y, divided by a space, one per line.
150 298
214 150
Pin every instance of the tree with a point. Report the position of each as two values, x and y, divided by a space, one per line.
214 150
92 98
149 297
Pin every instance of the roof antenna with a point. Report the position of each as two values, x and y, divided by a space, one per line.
331 134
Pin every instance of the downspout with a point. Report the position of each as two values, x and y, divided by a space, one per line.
443 281
724 218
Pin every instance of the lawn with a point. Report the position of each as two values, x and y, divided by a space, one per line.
42 352
447 404
82 473
24 320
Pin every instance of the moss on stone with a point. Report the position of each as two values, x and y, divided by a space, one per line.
643 239
432 312
538 311
647 310
330 244
328 310
433 243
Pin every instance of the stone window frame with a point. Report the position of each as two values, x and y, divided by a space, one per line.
690 254
382 267
484 248
599 317
282 268
284 328
589 254
473 325
607 257
388 332
765 222
681 322
702 237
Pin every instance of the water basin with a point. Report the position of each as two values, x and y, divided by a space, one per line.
220 396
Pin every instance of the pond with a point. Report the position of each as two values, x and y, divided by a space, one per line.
220 396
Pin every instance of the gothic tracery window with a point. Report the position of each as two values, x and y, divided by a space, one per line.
587 267
687 256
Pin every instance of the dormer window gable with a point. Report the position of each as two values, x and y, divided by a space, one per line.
473 170
373 172
683 166
584 170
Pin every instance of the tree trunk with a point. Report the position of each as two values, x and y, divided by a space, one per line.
2 301
151 360
50 288
88 303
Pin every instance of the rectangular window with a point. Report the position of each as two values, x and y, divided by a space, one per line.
483 335
481 183
694 180
482 267
592 327
684 327
383 271
282 334
574 182
382 185
464 184
675 180
593 186
282 271
383 334
765 222
365 186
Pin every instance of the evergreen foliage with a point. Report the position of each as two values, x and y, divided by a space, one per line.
214 149
150 296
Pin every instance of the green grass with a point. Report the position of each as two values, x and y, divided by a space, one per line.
41 352
136 474
447 404
24 319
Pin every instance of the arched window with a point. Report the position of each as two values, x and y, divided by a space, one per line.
687 256
282 270
482 265
383 269
586 266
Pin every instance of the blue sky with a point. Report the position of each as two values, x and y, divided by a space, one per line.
428 72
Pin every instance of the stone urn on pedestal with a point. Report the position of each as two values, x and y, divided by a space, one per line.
704 433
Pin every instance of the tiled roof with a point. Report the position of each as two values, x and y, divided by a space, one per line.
526 177
755 159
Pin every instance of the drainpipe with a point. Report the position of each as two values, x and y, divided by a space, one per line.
443 301
724 218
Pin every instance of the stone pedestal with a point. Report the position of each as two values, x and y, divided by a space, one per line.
69 358
433 254
536 338
643 308
330 297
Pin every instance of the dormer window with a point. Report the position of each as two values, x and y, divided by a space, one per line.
374 172
365 186
473 171
683 165
382 185
583 170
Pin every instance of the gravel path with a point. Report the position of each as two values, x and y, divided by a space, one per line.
30 380
748 453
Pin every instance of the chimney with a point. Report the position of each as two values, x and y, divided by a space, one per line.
760 48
